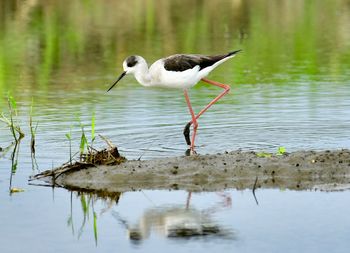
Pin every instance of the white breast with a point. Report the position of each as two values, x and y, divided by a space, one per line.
173 79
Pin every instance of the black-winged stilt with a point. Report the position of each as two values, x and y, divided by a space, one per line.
181 71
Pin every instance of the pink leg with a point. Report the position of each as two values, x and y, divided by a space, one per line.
221 85
194 118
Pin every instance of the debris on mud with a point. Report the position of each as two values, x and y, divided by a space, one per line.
108 156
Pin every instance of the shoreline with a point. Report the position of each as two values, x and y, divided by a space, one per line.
301 170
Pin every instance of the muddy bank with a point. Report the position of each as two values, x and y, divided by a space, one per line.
323 170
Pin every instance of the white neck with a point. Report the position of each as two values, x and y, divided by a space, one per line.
142 74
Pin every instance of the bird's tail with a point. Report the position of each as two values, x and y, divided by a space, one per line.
233 53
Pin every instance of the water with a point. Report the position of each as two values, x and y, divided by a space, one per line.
285 221
290 87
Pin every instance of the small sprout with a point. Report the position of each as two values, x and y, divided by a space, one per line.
83 142
69 137
281 151
13 103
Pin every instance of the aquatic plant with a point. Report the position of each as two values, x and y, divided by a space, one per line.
84 144
69 137
32 139
14 163
92 133
83 140
32 129
11 122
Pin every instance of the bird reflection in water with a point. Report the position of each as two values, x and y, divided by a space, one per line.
177 221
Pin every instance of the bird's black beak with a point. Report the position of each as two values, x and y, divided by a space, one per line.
119 78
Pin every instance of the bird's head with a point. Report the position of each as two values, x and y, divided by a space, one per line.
130 66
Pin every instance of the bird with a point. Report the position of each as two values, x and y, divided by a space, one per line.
181 71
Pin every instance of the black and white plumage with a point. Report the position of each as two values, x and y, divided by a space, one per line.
175 71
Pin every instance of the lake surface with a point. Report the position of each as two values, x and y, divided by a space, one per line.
290 87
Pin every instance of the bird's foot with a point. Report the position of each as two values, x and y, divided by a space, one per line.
187 132
190 152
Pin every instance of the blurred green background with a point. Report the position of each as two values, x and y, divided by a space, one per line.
43 42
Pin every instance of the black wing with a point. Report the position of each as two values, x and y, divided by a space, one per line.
182 62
